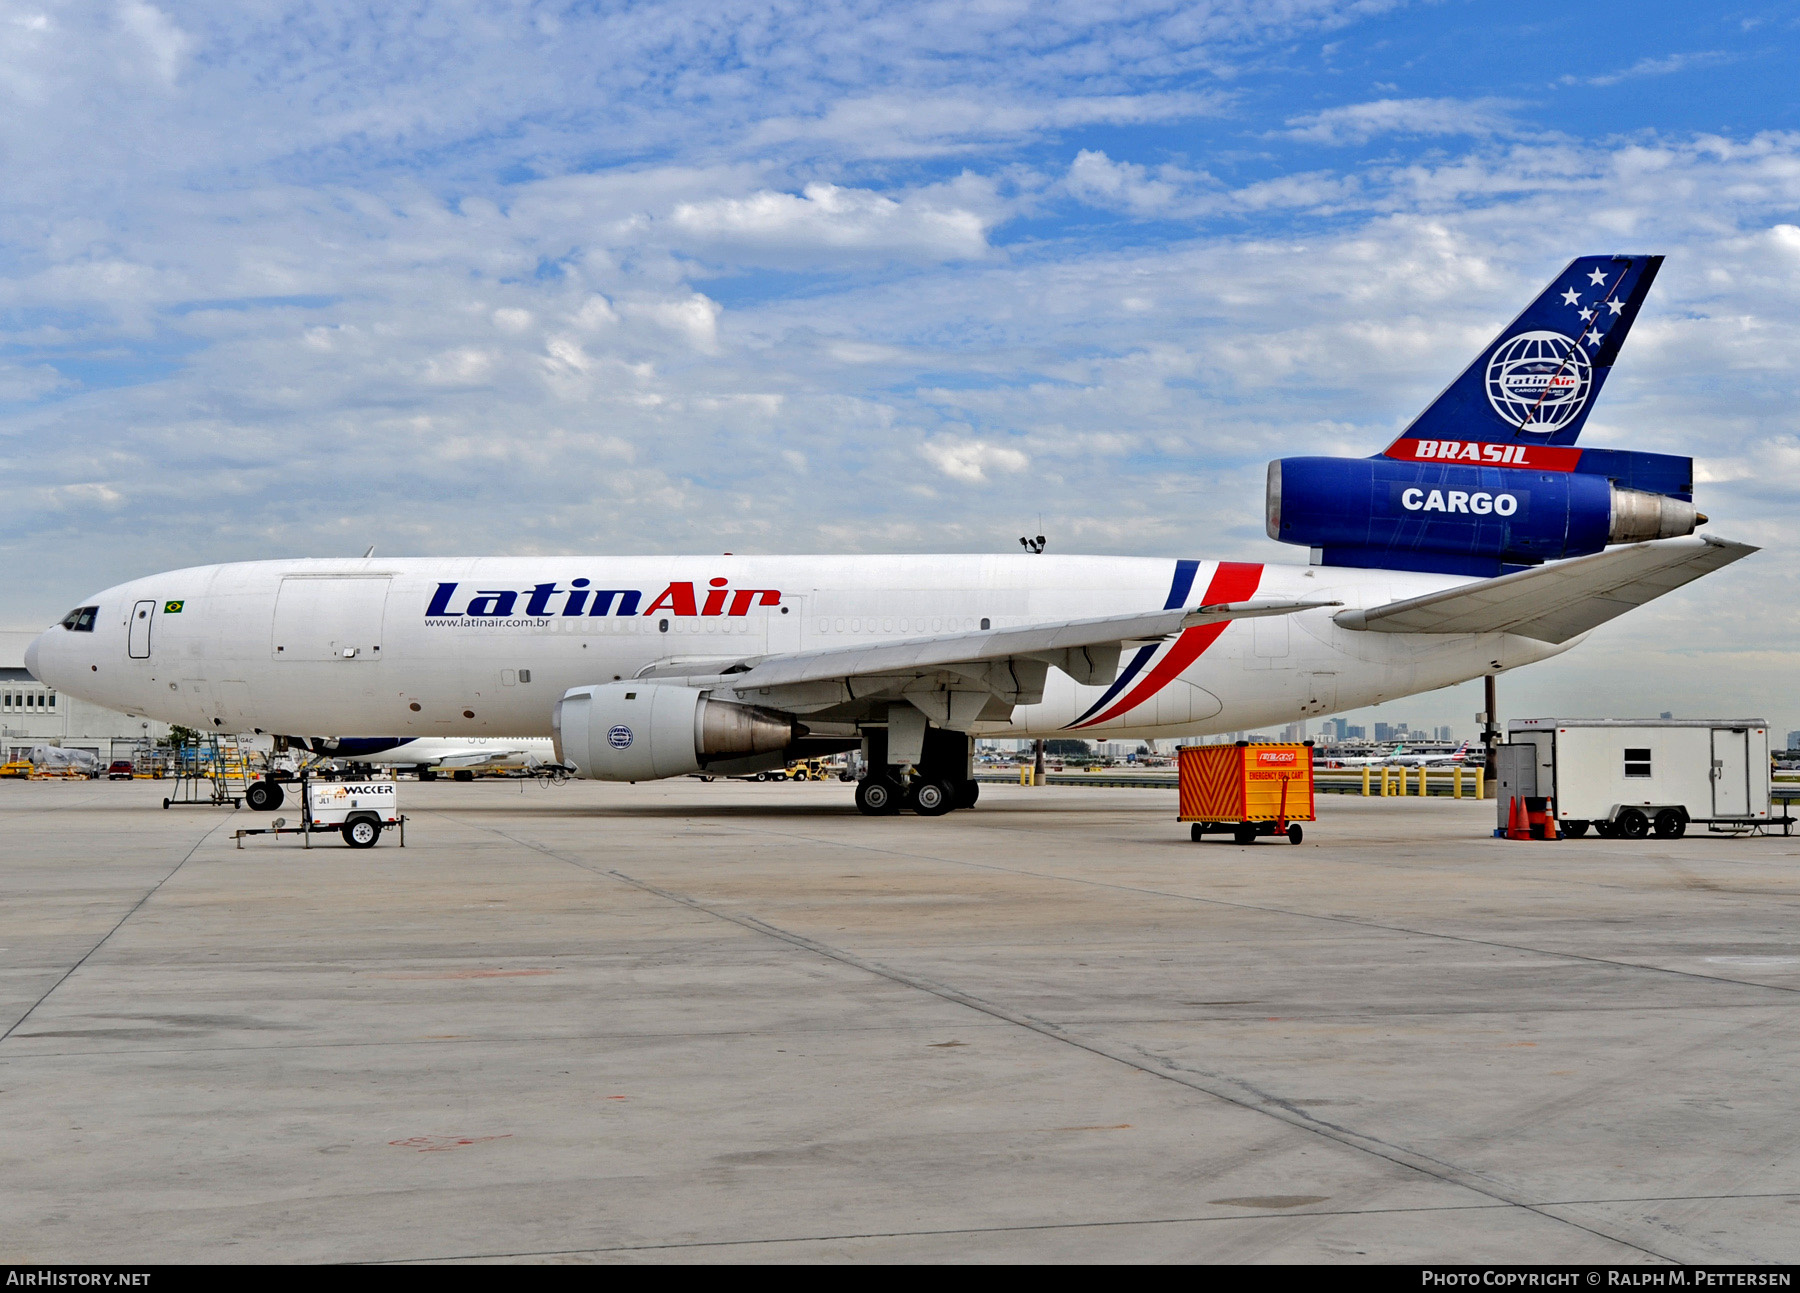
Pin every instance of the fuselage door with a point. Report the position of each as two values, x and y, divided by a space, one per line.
141 617
330 617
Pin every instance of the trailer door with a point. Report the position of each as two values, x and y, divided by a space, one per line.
1731 772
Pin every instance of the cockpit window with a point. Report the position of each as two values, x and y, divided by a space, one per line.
81 619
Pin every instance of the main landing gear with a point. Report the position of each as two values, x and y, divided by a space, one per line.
935 783
882 795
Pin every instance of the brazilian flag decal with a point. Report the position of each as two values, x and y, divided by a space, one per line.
173 608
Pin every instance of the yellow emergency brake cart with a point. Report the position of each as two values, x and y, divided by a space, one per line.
1246 790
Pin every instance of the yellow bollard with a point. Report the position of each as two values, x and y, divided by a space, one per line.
1480 775
1456 782
1365 781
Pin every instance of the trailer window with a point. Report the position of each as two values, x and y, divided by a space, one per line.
1637 763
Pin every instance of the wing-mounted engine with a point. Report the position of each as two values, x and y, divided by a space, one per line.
645 731
1488 477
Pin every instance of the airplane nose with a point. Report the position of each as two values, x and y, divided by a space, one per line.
31 657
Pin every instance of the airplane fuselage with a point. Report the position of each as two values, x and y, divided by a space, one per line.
426 647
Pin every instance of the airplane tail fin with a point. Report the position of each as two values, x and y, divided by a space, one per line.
1535 382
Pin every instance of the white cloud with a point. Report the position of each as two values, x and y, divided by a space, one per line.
970 460
1358 123
1653 67
825 217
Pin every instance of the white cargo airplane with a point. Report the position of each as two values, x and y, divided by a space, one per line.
641 668
736 664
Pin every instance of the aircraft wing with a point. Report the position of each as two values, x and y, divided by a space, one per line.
1008 665
1560 601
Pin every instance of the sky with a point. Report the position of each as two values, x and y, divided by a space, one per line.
291 280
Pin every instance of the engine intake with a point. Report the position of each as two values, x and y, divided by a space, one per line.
645 731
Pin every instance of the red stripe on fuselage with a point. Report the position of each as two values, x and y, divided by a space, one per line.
1233 581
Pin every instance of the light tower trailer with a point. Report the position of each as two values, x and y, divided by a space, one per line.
357 810
1625 777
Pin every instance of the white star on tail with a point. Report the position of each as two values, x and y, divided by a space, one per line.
1571 297
1596 278
1587 314
1615 306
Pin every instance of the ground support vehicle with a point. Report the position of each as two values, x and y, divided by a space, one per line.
358 810
1624 778
1246 790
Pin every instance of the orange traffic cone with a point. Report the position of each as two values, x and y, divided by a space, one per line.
1550 832
1518 825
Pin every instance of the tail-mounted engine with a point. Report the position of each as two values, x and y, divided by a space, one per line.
1381 513
644 731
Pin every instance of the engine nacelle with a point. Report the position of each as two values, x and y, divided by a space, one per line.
1458 519
645 731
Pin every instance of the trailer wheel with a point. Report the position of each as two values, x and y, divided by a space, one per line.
1671 824
1294 833
263 796
362 833
1245 833
1632 824
1575 829
1195 833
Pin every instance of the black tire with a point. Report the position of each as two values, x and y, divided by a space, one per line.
845 776
1670 824
1575 829
931 798
1632 824
1244 833
263 796
1294 833
877 797
462 774
426 774
1195 833
967 792
361 833
165 804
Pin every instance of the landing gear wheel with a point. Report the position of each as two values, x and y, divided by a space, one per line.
1632 824
931 798
1671 824
362 833
1294 833
967 792
1244 833
263 796
1575 829
877 797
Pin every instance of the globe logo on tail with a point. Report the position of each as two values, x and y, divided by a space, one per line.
1539 381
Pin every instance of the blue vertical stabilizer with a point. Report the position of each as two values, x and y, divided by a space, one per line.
1535 382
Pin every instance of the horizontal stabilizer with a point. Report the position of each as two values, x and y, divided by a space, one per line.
1556 602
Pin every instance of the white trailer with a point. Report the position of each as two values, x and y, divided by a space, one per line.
358 810
1625 777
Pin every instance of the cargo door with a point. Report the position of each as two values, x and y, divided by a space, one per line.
1731 772
142 615
329 618
784 623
